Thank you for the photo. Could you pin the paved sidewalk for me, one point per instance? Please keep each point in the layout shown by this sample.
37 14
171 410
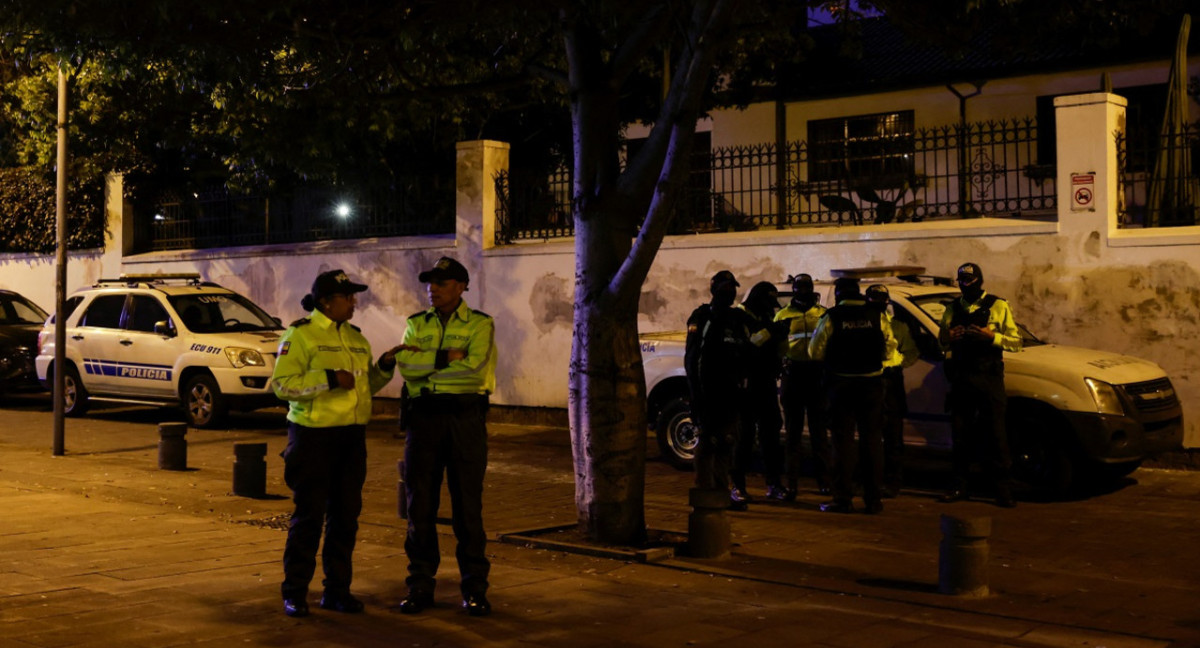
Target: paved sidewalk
100 548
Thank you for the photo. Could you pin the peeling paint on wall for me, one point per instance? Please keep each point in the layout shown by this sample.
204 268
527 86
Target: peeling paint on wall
551 303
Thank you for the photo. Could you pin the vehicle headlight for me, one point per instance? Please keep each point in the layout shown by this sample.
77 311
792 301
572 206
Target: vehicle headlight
1106 397
240 357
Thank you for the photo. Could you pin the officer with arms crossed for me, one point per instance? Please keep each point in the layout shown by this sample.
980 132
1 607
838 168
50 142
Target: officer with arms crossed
324 371
976 330
803 387
854 340
448 361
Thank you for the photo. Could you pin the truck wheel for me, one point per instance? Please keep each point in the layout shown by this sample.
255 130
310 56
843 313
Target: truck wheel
1040 457
75 395
203 404
677 434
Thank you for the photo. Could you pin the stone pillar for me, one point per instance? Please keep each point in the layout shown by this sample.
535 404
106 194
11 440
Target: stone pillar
1088 180
250 469
172 446
475 202
478 162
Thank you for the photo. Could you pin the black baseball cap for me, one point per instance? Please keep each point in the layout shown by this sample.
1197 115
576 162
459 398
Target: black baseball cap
846 287
968 274
723 277
335 282
445 268
877 293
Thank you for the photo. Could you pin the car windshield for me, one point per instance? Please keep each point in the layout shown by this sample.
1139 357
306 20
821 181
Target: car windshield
215 313
935 306
15 309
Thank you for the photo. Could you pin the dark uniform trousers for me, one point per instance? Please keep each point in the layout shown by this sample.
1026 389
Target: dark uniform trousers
977 424
804 395
325 468
856 402
895 406
760 419
447 434
715 447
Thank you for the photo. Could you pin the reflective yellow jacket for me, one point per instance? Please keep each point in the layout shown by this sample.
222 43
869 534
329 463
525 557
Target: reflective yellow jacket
801 326
309 352
469 331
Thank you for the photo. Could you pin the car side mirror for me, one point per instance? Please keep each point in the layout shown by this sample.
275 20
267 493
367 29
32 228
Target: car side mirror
164 328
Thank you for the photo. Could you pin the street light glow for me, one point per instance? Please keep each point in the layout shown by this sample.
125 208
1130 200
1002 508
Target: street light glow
342 210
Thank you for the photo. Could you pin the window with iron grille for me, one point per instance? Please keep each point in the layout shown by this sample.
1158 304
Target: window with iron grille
863 149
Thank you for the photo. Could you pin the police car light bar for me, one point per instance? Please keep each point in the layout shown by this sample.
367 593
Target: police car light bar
878 271
149 278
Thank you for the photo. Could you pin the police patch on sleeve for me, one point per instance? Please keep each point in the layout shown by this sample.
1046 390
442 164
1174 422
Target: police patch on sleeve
283 348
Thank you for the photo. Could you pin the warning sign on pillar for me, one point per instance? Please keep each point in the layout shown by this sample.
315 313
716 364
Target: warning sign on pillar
1083 192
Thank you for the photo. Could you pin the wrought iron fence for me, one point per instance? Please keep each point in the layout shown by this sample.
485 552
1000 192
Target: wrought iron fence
1160 186
987 168
218 218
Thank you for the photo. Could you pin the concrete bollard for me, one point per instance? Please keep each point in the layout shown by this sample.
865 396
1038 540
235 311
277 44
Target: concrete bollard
401 492
708 528
963 556
250 469
172 447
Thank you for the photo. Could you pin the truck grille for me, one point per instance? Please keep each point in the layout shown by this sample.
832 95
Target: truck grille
1152 395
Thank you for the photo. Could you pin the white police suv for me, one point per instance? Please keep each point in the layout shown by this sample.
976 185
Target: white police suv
164 339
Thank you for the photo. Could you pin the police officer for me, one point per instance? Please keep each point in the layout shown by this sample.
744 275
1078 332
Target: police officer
716 359
854 340
803 387
325 372
895 400
448 361
976 330
761 418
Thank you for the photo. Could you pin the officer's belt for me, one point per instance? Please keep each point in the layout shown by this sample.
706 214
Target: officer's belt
427 398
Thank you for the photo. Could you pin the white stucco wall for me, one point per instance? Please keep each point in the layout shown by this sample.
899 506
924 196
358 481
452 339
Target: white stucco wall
1075 281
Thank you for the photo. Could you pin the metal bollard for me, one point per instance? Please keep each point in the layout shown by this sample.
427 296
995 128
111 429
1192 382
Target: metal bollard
708 528
401 492
963 556
250 469
172 447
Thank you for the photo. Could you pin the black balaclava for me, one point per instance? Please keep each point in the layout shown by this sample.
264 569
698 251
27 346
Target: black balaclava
970 281
724 289
763 300
803 295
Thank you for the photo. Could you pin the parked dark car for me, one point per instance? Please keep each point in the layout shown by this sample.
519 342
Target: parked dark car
20 321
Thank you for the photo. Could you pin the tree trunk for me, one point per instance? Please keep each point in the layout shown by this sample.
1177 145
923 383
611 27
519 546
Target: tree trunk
608 429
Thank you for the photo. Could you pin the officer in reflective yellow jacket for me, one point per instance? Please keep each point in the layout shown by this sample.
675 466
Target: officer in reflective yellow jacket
325 371
803 391
448 361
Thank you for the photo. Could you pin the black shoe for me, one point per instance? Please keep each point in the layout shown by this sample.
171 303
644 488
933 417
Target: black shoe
1004 499
778 493
889 492
416 602
874 507
295 607
737 494
837 507
735 505
341 602
953 495
477 605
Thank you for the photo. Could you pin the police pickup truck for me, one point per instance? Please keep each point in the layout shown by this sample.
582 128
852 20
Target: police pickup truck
1073 413
164 339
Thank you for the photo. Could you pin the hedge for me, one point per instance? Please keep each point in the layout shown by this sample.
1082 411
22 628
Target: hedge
27 211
